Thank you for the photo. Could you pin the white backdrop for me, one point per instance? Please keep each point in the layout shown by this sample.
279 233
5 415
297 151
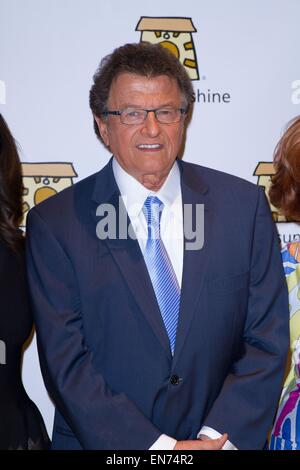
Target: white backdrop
49 50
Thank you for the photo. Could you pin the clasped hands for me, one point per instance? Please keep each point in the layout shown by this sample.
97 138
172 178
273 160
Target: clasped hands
202 444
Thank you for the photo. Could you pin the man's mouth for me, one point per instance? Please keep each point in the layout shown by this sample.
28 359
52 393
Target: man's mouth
151 147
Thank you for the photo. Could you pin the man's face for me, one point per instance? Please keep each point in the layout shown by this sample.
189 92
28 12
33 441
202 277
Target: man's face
130 143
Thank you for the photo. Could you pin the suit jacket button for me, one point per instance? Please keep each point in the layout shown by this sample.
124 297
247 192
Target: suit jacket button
175 380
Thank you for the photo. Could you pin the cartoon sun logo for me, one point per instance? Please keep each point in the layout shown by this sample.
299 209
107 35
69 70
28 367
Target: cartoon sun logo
43 180
176 35
264 171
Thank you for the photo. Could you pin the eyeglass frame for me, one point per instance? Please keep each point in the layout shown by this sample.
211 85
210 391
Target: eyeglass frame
118 112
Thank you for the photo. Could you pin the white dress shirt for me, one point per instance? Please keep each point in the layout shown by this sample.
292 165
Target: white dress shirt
134 195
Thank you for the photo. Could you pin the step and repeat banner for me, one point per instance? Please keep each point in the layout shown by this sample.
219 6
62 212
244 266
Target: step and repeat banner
243 58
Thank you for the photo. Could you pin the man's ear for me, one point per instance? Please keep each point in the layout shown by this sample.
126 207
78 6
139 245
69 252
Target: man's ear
102 126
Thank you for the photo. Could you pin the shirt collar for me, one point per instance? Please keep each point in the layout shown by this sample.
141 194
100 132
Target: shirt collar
134 193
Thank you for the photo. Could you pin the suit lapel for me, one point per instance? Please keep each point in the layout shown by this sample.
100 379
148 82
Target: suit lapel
194 261
129 259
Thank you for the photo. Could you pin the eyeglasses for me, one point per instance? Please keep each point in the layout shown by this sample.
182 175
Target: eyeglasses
138 116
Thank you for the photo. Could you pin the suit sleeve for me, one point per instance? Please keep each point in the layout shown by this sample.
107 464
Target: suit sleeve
99 418
248 399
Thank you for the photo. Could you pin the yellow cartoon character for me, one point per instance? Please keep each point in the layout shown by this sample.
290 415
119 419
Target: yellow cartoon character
176 35
43 180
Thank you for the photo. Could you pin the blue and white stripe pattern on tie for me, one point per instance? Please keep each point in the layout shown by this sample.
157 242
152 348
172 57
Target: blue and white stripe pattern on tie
162 275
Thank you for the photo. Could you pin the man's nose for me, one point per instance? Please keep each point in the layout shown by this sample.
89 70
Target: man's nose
151 125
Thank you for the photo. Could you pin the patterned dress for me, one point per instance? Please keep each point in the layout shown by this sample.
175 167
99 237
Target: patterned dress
286 431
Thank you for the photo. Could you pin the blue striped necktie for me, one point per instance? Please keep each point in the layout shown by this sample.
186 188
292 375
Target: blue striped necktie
162 275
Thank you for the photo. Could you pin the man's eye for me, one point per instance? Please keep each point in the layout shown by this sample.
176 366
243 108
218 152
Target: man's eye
134 113
165 112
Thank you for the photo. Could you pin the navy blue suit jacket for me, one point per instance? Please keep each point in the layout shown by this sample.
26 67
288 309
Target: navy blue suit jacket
103 347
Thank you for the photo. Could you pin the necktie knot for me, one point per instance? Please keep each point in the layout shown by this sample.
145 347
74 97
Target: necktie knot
152 210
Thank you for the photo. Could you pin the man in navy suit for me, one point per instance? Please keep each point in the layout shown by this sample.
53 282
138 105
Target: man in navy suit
159 326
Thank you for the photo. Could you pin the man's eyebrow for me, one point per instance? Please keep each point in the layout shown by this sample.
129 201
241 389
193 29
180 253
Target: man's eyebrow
168 104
